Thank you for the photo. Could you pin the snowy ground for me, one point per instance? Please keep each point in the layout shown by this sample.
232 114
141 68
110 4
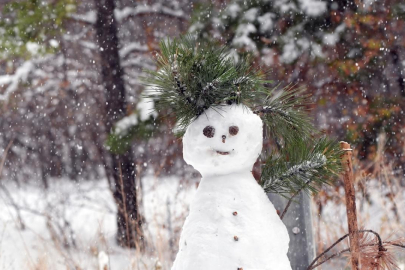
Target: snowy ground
83 216
70 225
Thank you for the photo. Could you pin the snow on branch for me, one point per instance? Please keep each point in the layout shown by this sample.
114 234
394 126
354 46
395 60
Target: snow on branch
306 169
12 81
90 17
131 47
122 14
144 110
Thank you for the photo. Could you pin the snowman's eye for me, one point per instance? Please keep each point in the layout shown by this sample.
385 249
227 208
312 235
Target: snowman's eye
209 131
233 130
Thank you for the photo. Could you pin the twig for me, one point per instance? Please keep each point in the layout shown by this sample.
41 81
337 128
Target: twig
330 257
291 199
180 89
3 159
380 247
348 249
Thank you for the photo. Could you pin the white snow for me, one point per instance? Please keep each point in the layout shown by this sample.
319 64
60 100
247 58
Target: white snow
308 166
233 10
242 38
313 8
290 52
285 5
266 22
32 47
144 110
88 17
54 43
230 215
268 56
251 14
133 46
122 126
20 76
122 14
103 260
331 39
90 210
90 213
295 47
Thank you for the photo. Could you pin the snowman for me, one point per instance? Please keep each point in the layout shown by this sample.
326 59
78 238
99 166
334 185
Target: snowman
231 224
219 103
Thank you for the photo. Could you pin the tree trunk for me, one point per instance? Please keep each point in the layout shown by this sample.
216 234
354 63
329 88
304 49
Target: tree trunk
122 166
398 70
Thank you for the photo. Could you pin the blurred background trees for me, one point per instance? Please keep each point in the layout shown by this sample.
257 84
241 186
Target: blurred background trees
67 77
349 54
55 76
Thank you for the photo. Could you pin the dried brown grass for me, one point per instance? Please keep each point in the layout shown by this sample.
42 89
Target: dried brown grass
371 178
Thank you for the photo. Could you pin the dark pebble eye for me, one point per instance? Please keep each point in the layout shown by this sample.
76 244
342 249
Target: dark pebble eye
209 131
233 130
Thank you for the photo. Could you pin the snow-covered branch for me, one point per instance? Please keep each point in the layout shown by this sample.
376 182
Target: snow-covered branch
158 8
306 168
132 47
12 81
90 17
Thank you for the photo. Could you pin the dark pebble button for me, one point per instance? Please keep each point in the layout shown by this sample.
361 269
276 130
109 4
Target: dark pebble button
235 238
235 213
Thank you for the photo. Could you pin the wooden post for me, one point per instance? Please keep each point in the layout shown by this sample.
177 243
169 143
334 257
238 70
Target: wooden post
298 221
350 204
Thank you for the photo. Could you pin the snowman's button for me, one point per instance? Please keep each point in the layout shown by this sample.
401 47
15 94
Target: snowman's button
235 213
236 238
240 268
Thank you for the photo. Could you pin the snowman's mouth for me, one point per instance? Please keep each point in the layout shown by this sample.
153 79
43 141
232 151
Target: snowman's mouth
223 153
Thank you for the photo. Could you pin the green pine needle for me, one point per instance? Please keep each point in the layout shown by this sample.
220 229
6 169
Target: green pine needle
285 114
303 165
193 77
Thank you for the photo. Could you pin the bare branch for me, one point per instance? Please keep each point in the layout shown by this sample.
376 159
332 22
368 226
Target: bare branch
380 247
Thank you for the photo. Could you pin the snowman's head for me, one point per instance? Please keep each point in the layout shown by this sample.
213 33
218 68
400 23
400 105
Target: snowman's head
223 140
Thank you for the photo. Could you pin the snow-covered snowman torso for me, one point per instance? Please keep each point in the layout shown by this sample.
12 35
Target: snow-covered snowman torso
232 224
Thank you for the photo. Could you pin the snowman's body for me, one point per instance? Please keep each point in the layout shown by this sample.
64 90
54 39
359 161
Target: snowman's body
232 224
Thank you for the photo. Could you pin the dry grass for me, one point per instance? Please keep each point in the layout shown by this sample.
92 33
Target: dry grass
379 196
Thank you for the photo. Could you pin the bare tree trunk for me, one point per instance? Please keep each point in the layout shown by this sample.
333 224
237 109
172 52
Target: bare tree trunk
122 166
398 70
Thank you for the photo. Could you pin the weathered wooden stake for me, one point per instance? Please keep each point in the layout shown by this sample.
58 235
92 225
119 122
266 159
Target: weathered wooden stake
351 205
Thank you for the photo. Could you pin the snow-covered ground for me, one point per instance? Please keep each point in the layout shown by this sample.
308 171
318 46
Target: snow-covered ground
70 225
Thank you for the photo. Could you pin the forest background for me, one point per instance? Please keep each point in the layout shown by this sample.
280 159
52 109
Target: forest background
72 112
